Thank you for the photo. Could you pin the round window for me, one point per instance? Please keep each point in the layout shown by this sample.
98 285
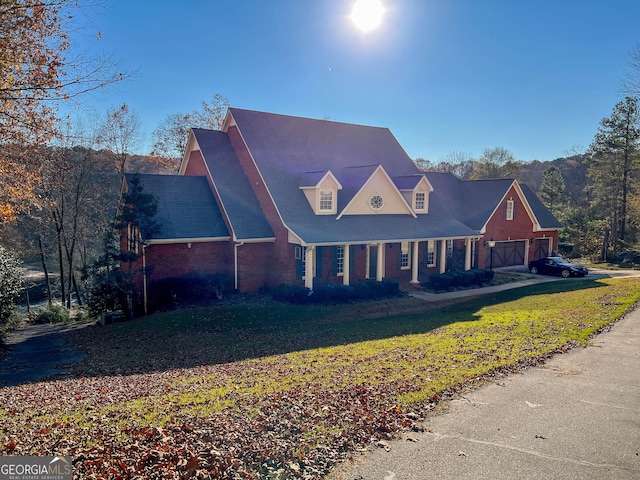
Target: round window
376 202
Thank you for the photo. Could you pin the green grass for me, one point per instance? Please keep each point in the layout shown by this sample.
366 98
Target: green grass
305 377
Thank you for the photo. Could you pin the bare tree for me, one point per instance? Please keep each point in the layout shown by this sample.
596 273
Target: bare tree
120 133
496 162
39 69
630 83
170 138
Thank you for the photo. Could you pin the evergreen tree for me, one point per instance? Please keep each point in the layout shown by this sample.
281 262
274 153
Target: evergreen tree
552 190
137 215
613 161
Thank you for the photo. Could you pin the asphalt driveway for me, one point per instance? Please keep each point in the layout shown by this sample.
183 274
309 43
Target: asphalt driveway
576 417
37 352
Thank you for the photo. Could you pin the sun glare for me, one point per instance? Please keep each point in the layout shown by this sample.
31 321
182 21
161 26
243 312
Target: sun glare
367 14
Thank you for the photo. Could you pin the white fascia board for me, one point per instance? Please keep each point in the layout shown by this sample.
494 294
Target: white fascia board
169 241
331 177
255 240
387 241
192 145
394 189
527 207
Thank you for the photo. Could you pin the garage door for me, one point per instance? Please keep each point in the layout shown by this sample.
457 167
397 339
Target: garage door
540 248
507 254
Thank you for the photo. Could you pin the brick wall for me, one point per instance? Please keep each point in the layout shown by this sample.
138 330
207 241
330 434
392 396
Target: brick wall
283 265
175 260
520 228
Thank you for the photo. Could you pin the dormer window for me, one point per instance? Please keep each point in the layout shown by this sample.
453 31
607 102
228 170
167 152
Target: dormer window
420 202
321 190
326 201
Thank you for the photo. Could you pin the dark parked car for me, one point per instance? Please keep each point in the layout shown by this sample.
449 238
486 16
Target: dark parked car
557 266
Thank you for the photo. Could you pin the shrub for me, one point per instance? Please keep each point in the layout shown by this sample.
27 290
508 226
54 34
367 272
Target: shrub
440 281
190 288
11 284
336 293
291 294
468 278
54 313
478 275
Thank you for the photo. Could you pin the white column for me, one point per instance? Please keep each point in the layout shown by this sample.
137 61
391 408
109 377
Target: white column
467 254
345 266
380 262
308 273
443 256
414 262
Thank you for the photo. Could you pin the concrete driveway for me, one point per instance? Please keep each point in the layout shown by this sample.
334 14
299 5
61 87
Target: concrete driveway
576 417
594 274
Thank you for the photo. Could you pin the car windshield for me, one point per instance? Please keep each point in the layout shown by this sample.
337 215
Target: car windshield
559 260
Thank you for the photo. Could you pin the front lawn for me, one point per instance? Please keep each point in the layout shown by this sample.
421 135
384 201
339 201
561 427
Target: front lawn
265 390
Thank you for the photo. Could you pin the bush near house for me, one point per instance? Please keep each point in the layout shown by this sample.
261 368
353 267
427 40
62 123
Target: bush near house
333 293
455 279
190 289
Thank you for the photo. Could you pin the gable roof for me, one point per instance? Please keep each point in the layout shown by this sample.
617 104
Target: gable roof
234 190
474 201
284 148
546 220
187 209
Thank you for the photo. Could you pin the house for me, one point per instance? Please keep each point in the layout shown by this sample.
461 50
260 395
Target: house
274 199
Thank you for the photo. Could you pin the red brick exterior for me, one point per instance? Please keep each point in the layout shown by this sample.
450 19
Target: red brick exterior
520 228
271 263
282 268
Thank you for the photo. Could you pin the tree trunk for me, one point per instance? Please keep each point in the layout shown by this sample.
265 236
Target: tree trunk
46 271
605 245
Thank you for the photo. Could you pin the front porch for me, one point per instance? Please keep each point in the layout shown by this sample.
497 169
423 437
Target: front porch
411 261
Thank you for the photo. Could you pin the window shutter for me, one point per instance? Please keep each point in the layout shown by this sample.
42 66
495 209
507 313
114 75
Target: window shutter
318 252
352 259
334 262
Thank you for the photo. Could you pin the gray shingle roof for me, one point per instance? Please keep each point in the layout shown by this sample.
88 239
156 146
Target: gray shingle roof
285 147
238 199
186 207
473 201
542 213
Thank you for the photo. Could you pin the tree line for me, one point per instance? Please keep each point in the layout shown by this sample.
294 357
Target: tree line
593 194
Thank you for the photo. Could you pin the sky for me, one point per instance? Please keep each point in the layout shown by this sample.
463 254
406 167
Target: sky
443 75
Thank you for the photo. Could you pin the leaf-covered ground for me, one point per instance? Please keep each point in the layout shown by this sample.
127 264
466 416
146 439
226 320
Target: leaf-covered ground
270 391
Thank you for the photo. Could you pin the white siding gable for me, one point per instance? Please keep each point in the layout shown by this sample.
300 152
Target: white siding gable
378 196
323 196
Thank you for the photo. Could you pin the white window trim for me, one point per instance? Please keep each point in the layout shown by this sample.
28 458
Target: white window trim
406 253
424 201
510 210
340 260
332 195
431 249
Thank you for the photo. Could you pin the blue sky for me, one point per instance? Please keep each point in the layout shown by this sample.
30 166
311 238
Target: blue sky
446 75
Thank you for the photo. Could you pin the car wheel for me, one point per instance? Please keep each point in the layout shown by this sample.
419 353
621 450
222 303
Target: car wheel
566 273
534 270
